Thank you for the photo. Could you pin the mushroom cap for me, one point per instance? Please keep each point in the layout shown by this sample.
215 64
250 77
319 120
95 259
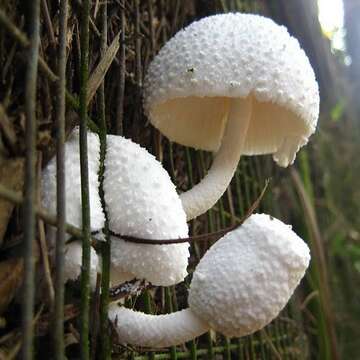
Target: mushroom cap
247 277
189 84
142 202
73 182
73 261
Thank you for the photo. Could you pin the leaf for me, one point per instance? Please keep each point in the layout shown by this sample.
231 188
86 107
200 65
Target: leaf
11 274
337 111
11 176
100 71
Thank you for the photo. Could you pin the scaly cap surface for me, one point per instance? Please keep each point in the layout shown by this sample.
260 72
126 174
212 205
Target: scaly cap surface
189 84
142 202
73 261
73 182
248 276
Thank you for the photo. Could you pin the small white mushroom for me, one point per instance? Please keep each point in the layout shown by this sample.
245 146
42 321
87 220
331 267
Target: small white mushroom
142 202
73 197
73 182
233 84
73 261
239 286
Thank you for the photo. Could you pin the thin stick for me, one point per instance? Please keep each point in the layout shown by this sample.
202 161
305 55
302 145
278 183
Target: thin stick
105 348
84 171
95 317
42 238
17 199
48 22
138 70
30 180
197 238
121 87
58 338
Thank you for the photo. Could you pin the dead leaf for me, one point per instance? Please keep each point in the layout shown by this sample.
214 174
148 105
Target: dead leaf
11 274
11 176
100 71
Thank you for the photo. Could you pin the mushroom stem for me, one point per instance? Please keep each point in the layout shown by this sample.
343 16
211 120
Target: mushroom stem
137 328
204 195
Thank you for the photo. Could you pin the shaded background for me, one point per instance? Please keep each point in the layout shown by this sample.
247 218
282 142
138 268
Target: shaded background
319 195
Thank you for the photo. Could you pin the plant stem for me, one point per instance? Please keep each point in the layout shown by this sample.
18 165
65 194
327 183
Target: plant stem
105 346
30 182
84 171
58 339
121 87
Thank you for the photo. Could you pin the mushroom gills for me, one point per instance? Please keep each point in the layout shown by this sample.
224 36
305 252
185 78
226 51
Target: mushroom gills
204 195
286 153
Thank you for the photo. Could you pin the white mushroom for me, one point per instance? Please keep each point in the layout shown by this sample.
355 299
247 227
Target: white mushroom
233 84
239 286
73 197
142 202
73 261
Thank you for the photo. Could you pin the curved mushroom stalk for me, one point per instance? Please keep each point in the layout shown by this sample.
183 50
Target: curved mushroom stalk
158 331
239 286
204 195
244 59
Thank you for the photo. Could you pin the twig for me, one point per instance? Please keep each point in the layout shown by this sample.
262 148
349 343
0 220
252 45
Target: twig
138 71
271 344
151 27
105 348
17 199
42 239
84 171
95 315
48 22
176 14
91 22
121 88
58 338
30 180
197 238
231 204
13 30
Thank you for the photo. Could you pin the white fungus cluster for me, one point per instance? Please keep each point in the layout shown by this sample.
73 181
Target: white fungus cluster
190 81
217 71
247 277
142 202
